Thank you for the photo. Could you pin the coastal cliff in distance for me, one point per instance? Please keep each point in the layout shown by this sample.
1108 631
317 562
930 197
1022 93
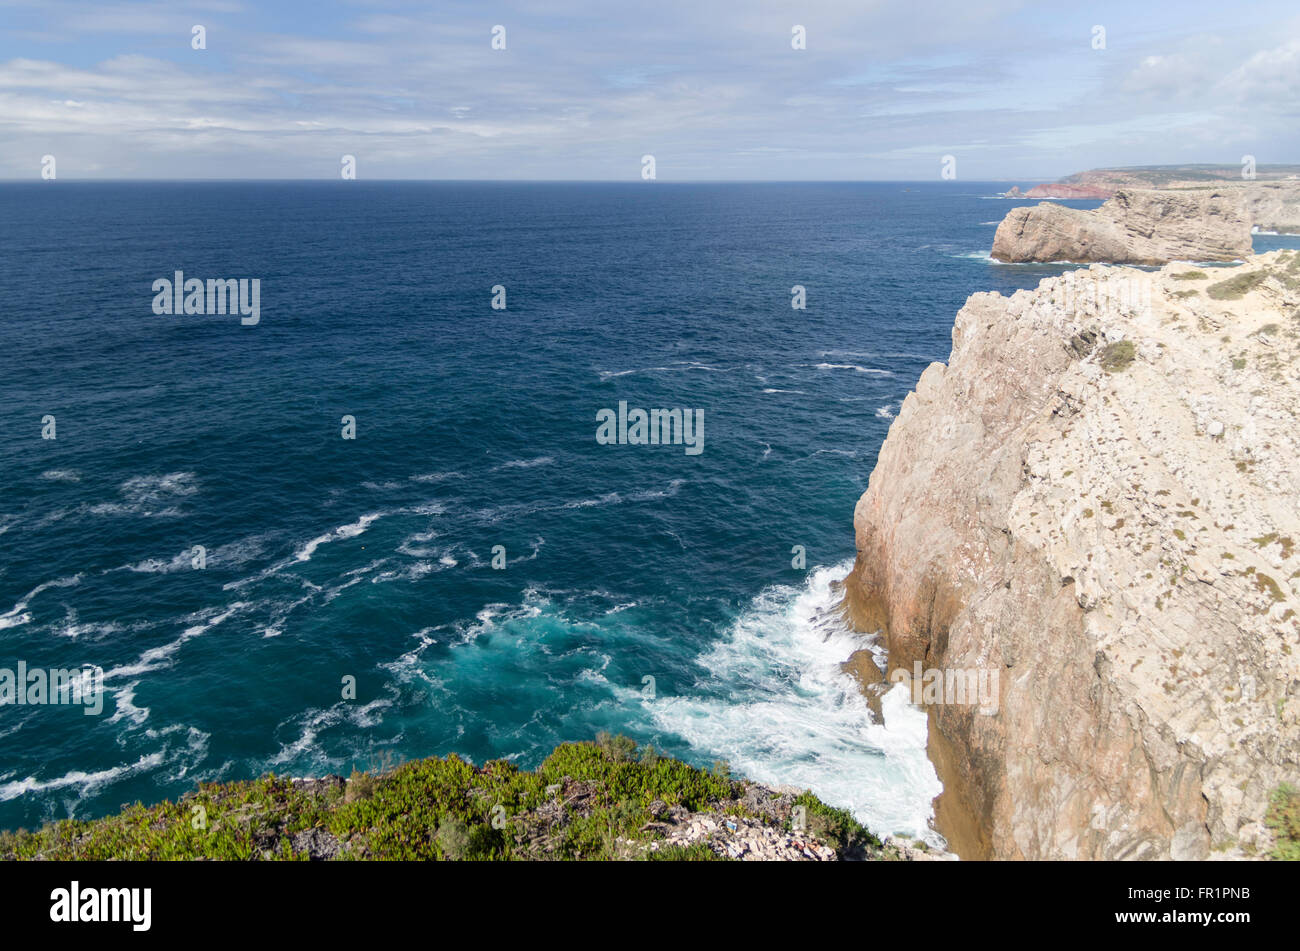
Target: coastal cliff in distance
1097 498
1150 226
1273 206
1059 191
1135 227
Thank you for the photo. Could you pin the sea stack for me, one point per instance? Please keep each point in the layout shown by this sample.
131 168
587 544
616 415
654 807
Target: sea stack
1137 226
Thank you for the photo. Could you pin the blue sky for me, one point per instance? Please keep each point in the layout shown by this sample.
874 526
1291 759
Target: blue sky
1015 91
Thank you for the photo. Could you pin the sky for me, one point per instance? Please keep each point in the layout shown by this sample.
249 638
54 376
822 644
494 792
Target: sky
713 90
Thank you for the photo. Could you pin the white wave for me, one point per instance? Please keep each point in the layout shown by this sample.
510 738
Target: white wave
61 475
425 508
149 488
409 667
852 366
413 571
672 368
157 657
987 257
19 613
354 576
305 551
124 705
495 616
527 463
414 545
382 486
11 620
536 548
609 498
886 411
141 493
351 530
160 566
73 629
85 782
312 722
778 707
617 498
281 611
436 477
850 453
497 513
647 494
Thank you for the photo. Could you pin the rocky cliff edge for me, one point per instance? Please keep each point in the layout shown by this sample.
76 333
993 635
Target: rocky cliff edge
1098 498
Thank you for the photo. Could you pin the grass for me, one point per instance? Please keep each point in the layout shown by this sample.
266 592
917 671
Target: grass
583 802
1117 357
1190 276
1283 818
1285 542
1235 288
1266 585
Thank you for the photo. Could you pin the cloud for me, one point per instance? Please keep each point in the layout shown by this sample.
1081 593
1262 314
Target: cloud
583 90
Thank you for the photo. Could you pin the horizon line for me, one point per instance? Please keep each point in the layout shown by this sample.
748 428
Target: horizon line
545 181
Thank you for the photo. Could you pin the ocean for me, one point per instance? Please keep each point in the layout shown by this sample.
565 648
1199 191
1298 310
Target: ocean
472 571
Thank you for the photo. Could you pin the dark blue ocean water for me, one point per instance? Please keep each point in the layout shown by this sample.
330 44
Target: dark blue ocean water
475 427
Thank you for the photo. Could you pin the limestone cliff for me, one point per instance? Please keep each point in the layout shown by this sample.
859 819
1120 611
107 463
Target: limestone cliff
1135 227
1058 191
1274 206
1098 498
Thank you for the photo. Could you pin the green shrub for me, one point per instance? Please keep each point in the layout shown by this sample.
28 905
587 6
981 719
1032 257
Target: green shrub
360 786
459 841
838 827
616 747
695 852
436 808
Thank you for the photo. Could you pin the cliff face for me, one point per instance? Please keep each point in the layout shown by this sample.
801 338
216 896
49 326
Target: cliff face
1274 206
1097 498
1134 227
1060 191
1069 191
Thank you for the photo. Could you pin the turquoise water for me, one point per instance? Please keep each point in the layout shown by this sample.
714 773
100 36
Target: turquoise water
371 558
